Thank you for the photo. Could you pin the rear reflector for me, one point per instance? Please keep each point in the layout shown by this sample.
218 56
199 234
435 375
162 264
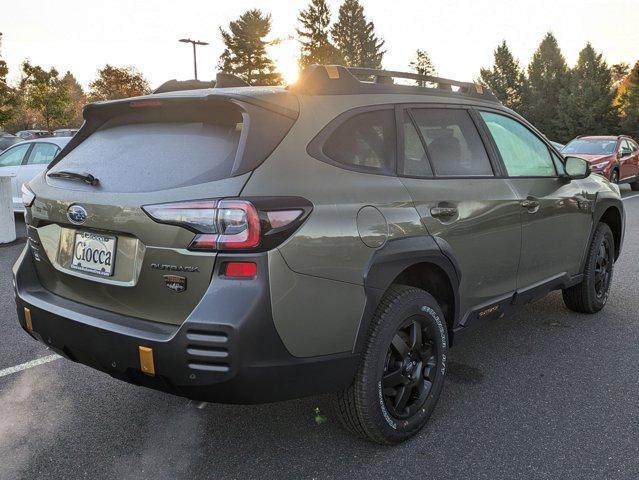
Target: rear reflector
240 269
146 360
27 319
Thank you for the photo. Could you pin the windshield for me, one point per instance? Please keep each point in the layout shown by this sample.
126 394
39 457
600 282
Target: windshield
591 146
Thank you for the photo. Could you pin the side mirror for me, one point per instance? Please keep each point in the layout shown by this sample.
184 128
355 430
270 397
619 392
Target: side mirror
577 168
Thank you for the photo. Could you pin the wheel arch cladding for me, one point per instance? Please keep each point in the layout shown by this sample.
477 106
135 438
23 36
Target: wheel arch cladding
611 214
423 262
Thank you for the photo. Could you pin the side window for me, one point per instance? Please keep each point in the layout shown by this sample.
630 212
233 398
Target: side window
13 156
453 144
523 153
416 162
42 153
365 142
626 149
633 145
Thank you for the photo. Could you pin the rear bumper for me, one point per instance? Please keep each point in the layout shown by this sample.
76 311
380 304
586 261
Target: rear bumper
226 351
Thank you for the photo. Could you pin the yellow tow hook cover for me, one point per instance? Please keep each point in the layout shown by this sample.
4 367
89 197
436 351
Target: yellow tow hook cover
146 360
27 319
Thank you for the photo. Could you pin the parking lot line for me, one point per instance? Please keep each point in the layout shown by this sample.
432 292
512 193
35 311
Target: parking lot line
27 365
631 196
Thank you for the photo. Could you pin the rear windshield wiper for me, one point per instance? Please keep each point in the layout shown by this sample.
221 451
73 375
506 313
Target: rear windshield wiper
83 177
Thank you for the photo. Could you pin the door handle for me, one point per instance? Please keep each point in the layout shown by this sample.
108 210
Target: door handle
530 204
443 212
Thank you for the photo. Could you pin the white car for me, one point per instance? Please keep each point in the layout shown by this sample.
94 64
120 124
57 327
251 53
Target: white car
25 160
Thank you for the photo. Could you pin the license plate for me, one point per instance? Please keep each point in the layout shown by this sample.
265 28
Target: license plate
94 253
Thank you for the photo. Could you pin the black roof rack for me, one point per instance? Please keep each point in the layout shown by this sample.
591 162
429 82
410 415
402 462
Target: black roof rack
339 80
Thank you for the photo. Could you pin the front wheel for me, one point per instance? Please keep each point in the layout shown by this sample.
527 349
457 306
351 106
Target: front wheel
591 294
401 373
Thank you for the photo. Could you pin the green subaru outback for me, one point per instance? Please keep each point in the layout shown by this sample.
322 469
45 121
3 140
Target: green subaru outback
253 244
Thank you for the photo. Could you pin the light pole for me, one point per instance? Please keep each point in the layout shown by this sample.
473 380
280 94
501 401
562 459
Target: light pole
194 43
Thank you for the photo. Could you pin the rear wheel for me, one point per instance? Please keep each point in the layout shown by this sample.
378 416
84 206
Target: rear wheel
402 369
635 185
591 294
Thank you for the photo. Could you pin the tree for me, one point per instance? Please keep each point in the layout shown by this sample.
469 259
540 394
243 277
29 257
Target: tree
45 93
316 47
117 82
355 37
586 105
423 66
8 95
547 76
77 99
506 79
630 104
619 71
245 53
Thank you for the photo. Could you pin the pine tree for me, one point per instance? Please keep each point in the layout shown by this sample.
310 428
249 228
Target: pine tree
8 95
423 66
506 79
630 104
77 99
355 37
547 76
586 105
245 53
316 47
619 71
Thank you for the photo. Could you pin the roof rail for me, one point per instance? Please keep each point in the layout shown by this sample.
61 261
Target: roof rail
339 80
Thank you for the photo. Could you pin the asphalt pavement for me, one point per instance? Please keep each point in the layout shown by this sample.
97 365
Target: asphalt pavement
545 393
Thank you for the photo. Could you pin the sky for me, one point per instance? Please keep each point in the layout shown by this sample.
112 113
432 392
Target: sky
459 35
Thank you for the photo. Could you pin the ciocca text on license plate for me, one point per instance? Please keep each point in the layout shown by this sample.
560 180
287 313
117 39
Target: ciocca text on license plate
94 253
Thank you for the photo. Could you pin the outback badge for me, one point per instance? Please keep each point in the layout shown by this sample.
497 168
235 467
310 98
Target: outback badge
175 283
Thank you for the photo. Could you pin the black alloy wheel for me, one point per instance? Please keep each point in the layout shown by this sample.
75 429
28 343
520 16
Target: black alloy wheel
410 369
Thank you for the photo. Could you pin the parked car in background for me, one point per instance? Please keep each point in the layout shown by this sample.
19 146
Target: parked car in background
65 132
6 140
33 134
616 157
25 160
557 145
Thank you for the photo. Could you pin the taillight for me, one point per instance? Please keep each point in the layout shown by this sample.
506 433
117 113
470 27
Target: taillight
234 224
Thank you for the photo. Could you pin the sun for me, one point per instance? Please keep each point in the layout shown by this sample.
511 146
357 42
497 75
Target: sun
284 53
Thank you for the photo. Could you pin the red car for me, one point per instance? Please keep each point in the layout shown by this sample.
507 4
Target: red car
614 156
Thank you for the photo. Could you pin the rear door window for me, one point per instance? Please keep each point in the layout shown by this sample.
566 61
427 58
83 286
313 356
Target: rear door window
453 144
416 163
42 153
364 142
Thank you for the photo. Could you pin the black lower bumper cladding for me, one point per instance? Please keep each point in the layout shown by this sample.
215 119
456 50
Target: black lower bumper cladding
226 351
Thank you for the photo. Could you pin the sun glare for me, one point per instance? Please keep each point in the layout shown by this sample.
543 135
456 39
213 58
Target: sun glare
284 54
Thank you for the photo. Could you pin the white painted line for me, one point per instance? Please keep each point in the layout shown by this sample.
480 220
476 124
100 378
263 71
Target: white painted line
631 196
31 364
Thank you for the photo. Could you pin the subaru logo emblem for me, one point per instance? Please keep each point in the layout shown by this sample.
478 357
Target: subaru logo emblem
77 214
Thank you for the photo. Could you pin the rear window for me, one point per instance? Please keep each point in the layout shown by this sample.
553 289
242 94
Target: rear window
175 145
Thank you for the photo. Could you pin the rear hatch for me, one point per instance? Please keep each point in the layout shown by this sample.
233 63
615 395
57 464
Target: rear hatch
92 240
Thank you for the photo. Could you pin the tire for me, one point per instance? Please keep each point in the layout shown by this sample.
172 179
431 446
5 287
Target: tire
392 414
635 186
614 176
591 294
